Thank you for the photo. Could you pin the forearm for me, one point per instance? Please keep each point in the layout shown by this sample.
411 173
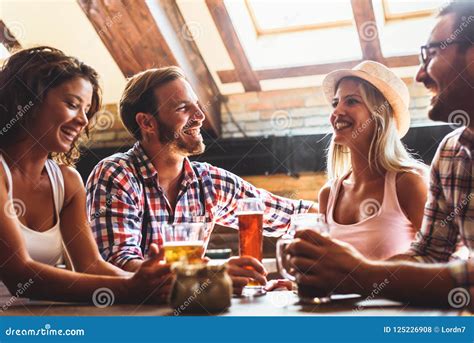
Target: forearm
102 267
416 283
132 265
402 257
49 283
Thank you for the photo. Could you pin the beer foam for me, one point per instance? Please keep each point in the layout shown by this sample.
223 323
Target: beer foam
183 244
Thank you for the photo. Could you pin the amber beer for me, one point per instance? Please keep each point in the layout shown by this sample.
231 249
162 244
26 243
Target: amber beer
250 216
183 242
190 252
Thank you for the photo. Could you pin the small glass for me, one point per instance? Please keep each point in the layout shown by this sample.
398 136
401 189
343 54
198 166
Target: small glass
250 215
312 221
184 242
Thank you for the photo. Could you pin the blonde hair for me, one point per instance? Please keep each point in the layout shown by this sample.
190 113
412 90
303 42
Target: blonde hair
387 152
139 95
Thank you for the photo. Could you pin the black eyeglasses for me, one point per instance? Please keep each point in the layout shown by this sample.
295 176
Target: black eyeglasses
426 53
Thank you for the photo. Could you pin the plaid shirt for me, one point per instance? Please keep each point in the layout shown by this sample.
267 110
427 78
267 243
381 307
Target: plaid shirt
449 212
127 205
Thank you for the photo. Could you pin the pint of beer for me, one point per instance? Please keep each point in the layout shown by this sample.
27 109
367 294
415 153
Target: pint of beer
183 242
250 214
190 252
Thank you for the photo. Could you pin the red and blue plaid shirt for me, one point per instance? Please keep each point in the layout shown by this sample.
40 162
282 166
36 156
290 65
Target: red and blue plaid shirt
126 204
449 211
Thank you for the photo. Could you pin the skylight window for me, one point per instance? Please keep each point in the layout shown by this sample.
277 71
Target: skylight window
396 9
299 15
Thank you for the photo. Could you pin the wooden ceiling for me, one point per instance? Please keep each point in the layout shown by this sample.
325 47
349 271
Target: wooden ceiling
137 42
146 34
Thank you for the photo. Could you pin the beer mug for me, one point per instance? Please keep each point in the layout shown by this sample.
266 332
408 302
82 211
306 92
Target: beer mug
250 215
313 221
183 242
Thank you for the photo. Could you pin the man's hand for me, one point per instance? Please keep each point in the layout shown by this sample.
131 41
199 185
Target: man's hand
152 281
243 269
325 264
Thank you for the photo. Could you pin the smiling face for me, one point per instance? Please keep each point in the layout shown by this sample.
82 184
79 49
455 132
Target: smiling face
180 117
449 74
62 115
351 120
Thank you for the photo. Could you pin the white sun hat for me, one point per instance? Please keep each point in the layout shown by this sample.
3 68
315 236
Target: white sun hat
390 85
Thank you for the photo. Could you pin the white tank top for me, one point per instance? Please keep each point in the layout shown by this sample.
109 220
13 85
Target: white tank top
47 246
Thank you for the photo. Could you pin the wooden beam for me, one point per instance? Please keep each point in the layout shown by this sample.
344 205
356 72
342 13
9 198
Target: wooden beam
233 45
137 41
181 41
367 30
116 41
7 38
229 76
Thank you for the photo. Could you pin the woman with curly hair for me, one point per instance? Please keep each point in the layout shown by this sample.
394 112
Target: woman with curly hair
46 102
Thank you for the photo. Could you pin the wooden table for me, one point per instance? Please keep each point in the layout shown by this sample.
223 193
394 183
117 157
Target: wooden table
277 303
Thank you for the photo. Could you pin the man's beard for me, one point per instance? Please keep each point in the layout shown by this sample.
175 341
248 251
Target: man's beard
454 104
175 141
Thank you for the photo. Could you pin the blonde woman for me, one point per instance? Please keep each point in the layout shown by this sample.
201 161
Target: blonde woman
376 191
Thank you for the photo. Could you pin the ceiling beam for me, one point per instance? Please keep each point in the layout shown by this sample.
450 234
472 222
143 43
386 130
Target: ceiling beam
233 45
137 41
7 38
230 76
364 17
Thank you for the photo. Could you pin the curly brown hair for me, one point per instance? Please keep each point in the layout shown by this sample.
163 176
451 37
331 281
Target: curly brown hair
25 78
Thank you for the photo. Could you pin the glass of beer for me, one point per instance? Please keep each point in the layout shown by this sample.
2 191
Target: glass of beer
312 221
183 242
250 214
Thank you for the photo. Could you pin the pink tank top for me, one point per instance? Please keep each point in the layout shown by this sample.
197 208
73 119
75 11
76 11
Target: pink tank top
386 231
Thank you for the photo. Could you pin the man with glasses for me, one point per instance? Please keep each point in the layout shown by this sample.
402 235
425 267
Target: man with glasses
447 70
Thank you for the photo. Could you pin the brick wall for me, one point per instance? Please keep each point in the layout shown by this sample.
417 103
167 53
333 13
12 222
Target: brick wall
282 112
108 130
296 112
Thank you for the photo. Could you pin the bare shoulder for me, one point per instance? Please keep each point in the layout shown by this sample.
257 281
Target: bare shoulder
412 189
73 183
323 197
408 182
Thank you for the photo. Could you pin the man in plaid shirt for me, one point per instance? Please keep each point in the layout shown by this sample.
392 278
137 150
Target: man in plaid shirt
448 71
129 195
